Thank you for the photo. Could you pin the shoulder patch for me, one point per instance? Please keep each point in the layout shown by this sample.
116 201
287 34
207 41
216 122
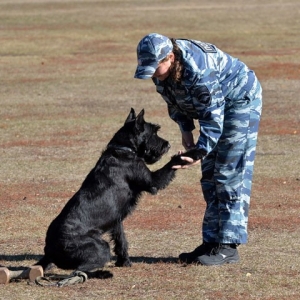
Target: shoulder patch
208 48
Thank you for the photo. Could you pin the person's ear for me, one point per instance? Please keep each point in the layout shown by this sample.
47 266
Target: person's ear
172 57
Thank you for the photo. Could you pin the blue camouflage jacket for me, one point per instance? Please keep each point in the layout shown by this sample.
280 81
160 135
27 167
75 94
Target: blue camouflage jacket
210 78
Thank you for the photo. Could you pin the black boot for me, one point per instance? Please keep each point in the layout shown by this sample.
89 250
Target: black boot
219 255
190 257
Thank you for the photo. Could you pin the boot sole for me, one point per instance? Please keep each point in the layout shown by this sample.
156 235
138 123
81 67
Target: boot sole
225 261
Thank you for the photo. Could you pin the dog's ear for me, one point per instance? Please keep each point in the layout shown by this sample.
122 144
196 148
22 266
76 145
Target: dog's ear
139 123
131 116
141 114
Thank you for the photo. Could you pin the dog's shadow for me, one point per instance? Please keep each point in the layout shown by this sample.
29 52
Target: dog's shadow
152 260
134 259
17 258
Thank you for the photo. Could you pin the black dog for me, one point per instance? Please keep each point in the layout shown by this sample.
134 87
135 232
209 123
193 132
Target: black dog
108 194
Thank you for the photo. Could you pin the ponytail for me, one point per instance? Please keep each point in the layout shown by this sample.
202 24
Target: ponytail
177 68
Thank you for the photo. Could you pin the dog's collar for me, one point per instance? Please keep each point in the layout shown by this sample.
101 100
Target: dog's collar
117 147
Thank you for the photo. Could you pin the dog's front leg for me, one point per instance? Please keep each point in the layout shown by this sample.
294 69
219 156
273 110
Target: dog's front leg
121 246
161 178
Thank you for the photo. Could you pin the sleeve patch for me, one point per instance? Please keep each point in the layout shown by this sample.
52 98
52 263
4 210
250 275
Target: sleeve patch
203 95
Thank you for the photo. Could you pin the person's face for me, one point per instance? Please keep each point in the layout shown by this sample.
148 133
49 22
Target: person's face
163 70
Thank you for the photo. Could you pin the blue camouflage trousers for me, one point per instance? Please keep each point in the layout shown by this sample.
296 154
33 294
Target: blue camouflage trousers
227 170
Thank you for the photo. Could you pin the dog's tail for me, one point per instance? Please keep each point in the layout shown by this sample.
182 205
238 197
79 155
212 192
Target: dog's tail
100 274
45 262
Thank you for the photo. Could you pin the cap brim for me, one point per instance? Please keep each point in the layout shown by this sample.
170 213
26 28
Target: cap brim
143 72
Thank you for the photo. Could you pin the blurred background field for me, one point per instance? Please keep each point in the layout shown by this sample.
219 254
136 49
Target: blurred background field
67 85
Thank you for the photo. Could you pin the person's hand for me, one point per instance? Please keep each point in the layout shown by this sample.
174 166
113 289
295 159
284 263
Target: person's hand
187 140
190 161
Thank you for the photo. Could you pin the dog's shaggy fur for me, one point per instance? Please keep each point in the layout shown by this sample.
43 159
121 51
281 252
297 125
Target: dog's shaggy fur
108 194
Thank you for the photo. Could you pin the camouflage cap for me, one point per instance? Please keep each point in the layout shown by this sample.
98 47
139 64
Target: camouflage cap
150 51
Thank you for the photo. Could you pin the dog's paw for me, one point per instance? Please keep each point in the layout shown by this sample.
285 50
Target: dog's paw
123 263
194 154
177 161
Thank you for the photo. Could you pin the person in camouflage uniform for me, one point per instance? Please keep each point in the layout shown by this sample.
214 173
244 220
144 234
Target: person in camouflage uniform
200 82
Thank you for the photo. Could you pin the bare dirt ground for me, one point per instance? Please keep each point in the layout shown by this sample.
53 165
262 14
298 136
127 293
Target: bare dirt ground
67 85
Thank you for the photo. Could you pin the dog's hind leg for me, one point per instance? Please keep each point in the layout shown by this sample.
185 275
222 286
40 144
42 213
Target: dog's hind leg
121 246
93 253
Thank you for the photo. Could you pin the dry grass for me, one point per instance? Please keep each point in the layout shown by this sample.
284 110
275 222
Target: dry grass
67 85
